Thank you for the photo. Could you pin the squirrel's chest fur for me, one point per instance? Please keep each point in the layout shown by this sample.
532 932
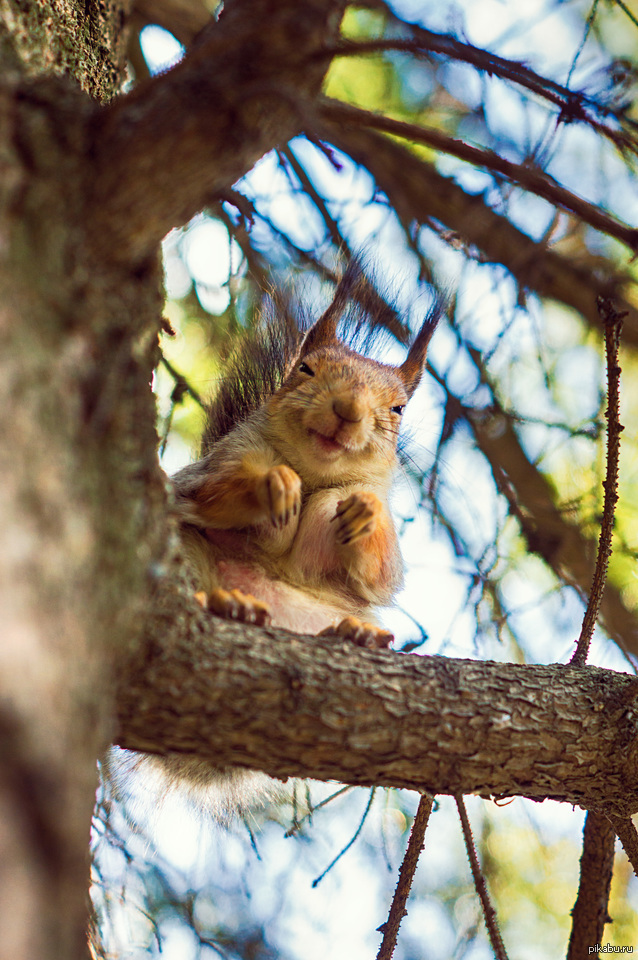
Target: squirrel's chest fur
298 571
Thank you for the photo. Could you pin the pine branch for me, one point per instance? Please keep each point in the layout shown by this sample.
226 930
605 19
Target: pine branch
573 105
419 194
531 500
188 149
235 694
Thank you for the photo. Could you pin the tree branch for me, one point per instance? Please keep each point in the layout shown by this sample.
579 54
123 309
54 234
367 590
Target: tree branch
531 498
573 105
406 875
613 326
418 192
299 706
183 18
529 178
164 151
590 915
489 913
628 836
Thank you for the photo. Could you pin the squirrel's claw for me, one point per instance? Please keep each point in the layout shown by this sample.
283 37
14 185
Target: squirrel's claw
280 494
356 517
363 634
235 605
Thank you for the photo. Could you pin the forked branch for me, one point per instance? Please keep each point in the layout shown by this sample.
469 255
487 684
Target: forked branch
573 105
529 178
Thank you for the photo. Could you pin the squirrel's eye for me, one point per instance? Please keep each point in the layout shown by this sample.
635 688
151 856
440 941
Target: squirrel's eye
398 409
304 368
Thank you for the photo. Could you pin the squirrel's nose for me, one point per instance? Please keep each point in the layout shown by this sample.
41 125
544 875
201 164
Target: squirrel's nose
351 409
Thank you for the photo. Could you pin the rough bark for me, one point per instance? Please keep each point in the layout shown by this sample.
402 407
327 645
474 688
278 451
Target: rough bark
82 500
295 706
77 441
83 40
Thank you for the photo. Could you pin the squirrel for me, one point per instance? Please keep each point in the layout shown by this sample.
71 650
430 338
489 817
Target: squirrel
285 519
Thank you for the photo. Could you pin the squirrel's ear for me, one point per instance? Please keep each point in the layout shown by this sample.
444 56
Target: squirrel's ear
324 331
411 369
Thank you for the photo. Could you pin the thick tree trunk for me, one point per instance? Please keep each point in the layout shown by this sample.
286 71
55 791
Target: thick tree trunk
80 489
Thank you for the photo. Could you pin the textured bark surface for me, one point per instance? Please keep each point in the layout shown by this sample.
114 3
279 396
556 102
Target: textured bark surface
83 39
296 706
82 503
77 438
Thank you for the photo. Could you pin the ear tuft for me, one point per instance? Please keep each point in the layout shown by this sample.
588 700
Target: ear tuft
324 331
412 368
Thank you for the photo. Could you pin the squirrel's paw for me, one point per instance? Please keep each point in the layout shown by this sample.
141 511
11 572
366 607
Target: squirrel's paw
235 605
363 634
356 517
279 493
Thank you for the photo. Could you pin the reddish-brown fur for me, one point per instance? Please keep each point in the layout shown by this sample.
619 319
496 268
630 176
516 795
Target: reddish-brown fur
291 506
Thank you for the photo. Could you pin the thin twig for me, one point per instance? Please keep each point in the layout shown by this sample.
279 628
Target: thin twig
320 203
588 26
318 879
574 105
489 912
181 383
307 816
525 176
612 321
590 915
625 9
181 387
406 875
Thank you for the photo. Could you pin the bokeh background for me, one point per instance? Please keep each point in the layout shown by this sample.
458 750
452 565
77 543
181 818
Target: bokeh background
502 462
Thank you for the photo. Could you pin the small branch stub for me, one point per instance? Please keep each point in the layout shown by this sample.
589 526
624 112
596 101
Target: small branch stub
612 322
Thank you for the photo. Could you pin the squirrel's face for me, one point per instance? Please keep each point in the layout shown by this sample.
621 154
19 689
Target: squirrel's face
338 415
